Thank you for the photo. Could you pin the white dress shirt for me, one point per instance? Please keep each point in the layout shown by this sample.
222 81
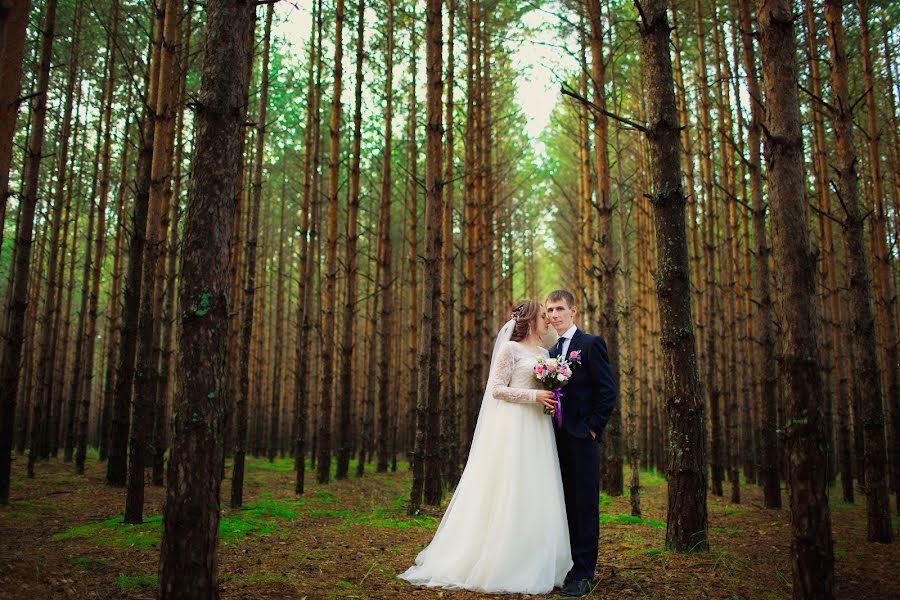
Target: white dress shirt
568 335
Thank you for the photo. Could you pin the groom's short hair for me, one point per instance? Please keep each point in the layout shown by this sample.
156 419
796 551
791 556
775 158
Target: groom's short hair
565 296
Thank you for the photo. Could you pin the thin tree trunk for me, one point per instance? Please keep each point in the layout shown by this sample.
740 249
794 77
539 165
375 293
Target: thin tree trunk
21 272
348 346
765 337
12 53
426 466
385 254
811 543
860 292
323 474
250 300
303 378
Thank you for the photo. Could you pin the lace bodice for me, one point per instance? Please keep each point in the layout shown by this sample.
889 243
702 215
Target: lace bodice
513 377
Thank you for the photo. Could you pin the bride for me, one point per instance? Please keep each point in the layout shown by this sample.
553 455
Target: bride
505 528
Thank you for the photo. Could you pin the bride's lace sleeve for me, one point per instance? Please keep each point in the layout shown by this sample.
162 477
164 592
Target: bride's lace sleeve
502 375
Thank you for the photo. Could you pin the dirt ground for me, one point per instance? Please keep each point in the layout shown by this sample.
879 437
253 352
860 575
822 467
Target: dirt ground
61 538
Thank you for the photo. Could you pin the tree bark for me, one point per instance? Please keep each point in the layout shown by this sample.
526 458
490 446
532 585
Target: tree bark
323 474
21 272
765 333
348 345
860 292
426 465
188 563
811 543
385 254
687 524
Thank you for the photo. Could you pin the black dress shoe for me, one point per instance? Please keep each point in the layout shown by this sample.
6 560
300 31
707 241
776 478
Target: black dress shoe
577 587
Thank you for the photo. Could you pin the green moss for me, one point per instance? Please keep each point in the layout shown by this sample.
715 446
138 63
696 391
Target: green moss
653 552
628 519
727 530
257 518
125 582
116 534
733 511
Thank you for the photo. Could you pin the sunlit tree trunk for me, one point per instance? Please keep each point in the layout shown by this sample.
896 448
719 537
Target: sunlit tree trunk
385 254
329 296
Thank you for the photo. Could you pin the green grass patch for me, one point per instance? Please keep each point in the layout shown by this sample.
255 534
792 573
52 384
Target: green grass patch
130 582
841 553
280 465
607 501
733 511
727 530
257 518
859 554
116 534
653 552
628 519
841 507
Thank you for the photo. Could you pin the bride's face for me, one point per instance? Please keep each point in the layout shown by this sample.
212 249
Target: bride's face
540 325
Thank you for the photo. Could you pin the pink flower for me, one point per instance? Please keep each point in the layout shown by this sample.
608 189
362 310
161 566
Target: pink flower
575 356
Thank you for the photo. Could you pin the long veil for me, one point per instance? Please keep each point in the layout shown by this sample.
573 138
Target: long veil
488 402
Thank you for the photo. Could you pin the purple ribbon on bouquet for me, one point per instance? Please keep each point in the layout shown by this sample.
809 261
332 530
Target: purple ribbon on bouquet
557 396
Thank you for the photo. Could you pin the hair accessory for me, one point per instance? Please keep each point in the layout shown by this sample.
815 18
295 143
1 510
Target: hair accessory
518 312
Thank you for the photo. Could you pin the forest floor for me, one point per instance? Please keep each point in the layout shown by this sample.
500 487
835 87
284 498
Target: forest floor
62 537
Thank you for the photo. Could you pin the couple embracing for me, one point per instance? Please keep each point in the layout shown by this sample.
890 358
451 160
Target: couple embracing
525 514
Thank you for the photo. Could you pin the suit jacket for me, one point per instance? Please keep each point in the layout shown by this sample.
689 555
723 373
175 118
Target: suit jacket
589 398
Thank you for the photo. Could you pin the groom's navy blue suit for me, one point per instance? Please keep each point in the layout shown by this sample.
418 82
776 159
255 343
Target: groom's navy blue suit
587 404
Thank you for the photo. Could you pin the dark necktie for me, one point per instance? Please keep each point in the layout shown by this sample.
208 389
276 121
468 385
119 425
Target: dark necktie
559 346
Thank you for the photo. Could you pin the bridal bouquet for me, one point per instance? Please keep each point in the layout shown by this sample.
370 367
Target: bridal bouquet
553 374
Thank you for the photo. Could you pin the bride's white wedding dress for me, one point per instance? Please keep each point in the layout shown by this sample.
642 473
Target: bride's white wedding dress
505 529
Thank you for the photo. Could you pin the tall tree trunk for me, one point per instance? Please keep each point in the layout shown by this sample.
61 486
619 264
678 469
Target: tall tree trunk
188 564
146 372
613 447
249 308
765 334
21 272
119 447
385 253
45 380
687 514
427 454
12 53
348 345
886 297
304 378
811 543
860 292
99 247
450 398
323 474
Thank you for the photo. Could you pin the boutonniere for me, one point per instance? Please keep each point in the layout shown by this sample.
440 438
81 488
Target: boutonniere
575 357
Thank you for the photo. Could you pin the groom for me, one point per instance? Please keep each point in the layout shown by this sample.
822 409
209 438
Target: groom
587 404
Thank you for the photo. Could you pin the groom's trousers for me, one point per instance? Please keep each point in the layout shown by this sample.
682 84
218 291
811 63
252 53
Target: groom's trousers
579 465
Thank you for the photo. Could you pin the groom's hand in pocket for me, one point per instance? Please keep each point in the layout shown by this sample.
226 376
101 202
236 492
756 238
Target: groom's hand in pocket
545 398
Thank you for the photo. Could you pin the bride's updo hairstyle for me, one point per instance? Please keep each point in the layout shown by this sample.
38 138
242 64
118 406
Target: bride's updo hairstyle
525 314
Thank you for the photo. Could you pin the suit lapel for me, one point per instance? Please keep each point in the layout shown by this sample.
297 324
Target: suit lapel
576 338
